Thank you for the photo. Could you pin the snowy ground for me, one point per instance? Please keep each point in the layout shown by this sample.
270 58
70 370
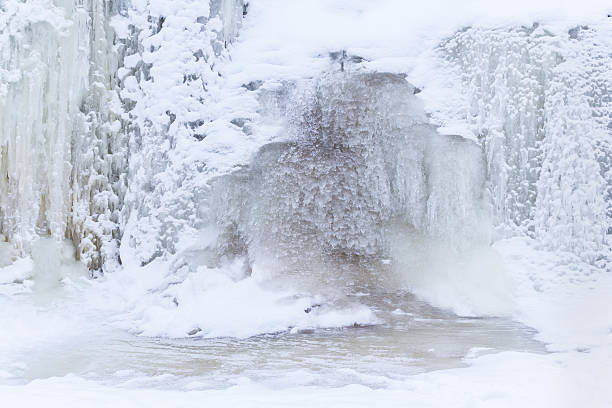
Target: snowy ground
569 308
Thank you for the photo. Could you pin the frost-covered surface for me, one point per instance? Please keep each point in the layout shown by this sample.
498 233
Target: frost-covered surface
301 157
170 82
199 91
539 103
61 156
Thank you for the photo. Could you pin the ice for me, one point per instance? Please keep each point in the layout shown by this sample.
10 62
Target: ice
535 102
358 160
62 157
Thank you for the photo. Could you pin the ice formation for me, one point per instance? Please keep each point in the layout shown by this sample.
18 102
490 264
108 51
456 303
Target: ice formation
358 164
61 158
171 54
125 129
304 201
540 106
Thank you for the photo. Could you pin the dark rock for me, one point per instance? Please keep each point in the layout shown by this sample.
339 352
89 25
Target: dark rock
240 122
309 309
306 331
194 331
195 124
253 85
199 54
172 116
342 57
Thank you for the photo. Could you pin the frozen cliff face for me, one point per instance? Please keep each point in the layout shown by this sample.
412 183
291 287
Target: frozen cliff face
37 101
60 143
169 86
82 84
540 106
516 90
130 125
359 164
574 202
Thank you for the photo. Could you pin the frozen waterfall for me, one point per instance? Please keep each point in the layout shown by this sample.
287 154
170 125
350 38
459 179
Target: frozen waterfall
62 157
305 203
357 164
126 129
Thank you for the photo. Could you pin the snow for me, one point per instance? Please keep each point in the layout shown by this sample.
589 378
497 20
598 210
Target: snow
221 302
550 296
17 271
563 298
500 380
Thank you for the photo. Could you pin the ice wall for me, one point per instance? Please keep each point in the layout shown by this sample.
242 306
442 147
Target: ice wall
60 154
42 85
119 121
87 85
169 86
540 106
359 167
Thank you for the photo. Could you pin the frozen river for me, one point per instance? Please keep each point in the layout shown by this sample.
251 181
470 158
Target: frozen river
52 332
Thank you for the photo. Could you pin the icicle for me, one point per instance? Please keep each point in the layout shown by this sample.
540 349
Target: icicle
537 102
60 151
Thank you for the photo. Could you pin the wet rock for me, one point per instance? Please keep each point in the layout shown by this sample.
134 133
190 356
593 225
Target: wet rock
240 122
306 331
253 85
194 331
309 309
